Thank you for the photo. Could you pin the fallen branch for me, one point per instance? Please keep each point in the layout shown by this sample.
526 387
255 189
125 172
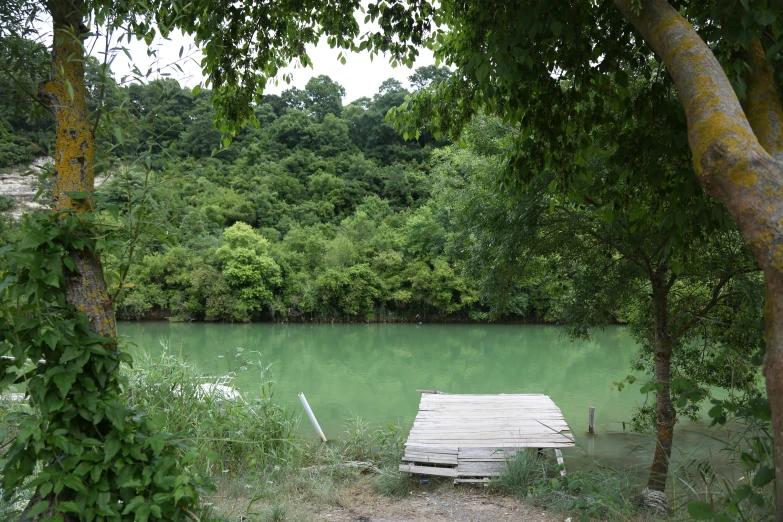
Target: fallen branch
364 467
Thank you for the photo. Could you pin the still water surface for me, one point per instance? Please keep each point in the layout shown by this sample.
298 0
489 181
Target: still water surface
373 371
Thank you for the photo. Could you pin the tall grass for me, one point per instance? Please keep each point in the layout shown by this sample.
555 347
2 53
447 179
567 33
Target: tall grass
523 471
592 491
231 435
742 495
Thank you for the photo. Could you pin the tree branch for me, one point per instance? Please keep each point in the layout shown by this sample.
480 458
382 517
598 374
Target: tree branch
762 105
720 136
716 296
731 163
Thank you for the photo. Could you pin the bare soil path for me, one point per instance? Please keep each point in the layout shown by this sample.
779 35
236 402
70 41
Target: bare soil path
445 504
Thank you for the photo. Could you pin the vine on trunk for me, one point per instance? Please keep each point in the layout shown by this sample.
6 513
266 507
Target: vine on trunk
87 456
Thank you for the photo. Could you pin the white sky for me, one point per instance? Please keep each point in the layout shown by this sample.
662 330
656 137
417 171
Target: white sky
360 76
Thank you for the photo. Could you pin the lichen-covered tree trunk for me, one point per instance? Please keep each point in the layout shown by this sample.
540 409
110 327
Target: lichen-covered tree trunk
665 408
74 160
74 157
738 158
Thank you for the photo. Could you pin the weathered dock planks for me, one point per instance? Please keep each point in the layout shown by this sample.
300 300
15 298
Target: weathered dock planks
469 437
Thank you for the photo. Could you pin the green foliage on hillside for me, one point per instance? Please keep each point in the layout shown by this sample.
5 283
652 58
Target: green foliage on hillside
322 211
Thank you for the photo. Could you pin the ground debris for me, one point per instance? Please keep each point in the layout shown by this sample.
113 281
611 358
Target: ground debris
445 504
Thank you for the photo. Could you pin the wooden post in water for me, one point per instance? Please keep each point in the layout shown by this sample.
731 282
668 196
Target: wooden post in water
560 462
591 446
591 425
312 417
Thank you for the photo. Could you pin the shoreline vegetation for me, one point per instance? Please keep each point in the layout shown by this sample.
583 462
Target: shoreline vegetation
374 319
264 470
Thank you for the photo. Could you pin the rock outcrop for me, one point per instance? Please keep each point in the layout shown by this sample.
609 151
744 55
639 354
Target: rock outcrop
21 182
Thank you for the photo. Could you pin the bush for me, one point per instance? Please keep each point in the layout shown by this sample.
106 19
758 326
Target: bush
7 202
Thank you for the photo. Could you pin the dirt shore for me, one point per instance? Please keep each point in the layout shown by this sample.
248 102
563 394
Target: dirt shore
444 504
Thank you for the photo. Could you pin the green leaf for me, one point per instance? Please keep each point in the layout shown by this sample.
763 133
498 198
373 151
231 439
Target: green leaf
115 412
157 442
742 492
118 134
764 476
7 281
700 510
765 17
747 461
37 509
71 352
78 194
111 447
64 381
67 507
133 504
45 489
69 88
75 483
143 513
773 51
52 279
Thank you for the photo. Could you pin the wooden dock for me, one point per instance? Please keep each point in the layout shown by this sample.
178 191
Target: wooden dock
469 437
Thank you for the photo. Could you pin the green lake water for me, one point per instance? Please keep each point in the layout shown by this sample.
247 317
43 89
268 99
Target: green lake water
373 371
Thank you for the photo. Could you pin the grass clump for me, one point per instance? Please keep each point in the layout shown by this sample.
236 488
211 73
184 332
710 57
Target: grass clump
522 472
383 448
592 491
232 434
391 482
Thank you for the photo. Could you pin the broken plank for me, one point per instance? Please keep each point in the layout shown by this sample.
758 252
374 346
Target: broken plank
428 470
474 469
433 458
484 481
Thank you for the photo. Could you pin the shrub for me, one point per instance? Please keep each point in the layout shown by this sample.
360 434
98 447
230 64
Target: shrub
7 202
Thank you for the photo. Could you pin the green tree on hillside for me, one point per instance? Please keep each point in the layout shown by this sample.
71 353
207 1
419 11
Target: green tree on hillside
248 269
323 96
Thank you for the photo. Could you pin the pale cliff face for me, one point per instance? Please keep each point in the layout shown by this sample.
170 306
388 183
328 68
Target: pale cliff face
21 182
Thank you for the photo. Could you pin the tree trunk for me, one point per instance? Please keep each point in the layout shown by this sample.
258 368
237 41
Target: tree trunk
74 162
74 157
663 352
738 158
773 375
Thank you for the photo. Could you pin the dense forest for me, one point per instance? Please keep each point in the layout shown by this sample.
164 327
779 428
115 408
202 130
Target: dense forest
321 212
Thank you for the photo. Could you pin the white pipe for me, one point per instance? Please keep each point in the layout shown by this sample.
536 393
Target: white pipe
312 417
